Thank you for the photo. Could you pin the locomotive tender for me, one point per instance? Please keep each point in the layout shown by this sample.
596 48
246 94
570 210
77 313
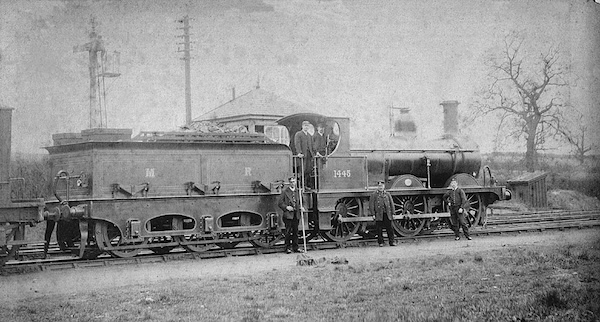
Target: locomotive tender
160 190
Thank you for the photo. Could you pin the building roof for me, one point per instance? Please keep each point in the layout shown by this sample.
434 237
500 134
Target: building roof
255 102
528 177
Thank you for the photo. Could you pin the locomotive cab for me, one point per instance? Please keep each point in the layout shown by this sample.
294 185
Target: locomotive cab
337 169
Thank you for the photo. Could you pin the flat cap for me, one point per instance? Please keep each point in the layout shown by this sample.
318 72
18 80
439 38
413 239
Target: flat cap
305 123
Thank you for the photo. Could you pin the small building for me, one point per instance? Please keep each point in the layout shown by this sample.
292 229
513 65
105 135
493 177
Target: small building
530 188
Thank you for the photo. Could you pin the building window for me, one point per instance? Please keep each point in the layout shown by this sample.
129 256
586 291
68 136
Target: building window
276 133
259 128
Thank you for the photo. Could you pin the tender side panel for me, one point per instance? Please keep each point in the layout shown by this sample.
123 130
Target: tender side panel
145 173
139 170
240 171
78 164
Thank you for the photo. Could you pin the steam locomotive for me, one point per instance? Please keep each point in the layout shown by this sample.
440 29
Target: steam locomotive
118 194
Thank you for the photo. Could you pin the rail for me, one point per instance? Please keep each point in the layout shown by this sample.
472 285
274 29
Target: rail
499 224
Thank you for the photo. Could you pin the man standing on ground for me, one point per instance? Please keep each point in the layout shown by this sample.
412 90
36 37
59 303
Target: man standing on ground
289 202
458 205
381 207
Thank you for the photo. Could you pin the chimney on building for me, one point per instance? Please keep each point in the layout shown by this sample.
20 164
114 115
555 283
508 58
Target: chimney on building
233 93
5 141
450 117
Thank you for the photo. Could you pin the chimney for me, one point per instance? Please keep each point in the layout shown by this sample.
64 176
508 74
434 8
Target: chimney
5 129
450 117
233 93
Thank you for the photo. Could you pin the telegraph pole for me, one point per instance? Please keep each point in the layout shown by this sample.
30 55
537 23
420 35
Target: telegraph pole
186 58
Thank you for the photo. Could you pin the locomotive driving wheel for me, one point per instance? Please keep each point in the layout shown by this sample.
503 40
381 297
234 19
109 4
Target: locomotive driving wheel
474 213
109 235
406 206
343 231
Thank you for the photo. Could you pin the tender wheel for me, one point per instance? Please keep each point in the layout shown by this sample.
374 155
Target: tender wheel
109 235
267 239
343 231
407 205
474 213
230 244
156 248
197 248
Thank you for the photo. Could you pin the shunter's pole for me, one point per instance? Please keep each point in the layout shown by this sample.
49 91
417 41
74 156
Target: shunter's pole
302 207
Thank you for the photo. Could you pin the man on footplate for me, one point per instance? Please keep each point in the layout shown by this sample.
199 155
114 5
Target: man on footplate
458 205
289 202
381 207
304 149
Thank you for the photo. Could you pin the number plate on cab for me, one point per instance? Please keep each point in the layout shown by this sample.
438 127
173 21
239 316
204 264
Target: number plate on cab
343 173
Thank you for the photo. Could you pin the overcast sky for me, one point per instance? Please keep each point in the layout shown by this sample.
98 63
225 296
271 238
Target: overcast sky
346 58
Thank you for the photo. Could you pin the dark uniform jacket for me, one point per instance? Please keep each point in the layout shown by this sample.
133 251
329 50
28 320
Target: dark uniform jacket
457 199
319 143
290 198
377 202
303 144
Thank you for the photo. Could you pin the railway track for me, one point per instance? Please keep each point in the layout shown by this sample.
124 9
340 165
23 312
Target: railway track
31 257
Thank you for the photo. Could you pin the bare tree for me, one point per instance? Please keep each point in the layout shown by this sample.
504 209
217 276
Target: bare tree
523 92
576 131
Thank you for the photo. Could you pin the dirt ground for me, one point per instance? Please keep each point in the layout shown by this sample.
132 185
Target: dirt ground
19 288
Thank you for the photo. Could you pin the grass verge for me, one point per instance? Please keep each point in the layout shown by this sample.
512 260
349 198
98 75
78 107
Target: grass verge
514 284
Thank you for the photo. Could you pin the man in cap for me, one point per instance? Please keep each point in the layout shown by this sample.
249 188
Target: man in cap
381 207
289 202
458 204
320 148
304 150
320 141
